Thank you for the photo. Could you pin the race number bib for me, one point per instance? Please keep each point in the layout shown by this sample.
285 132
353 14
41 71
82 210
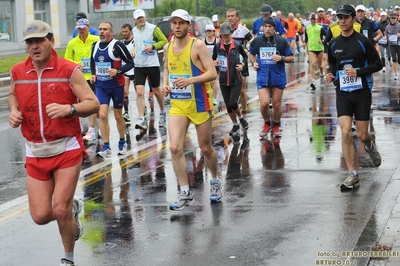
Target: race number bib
85 64
210 48
222 63
382 41
153 52
179 93
393 39
266 54
102 71
349 84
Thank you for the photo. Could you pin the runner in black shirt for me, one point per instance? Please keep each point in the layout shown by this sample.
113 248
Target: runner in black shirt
352 60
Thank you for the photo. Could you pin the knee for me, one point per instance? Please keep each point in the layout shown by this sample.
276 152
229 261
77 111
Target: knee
175 149
139 93
232 107
206 150
62 211
363 135
346 135
42 217
103 116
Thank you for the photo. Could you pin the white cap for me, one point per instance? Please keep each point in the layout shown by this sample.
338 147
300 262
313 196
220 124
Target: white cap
214 18
138 13
383 13
333 12
360 7
320 9
329 10
397 7
273 14
180 13
209 27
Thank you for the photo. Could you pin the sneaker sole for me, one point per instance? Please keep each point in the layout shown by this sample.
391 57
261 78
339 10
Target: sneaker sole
76 217
215 200
103 155
189 203
140 127
346 188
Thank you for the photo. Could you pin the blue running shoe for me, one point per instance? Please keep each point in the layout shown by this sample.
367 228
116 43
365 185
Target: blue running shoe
122 147
215 191
184 199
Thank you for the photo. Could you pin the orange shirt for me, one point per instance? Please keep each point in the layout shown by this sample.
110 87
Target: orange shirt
291 28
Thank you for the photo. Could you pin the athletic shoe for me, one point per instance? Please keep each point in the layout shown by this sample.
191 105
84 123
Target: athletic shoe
235 130
374 155
245 144
312 85
184 199
244 123
105 151
90 137
65 262
162 120
321 75
265 129
122 147
396 76
77 205
351 182
141 124
215 191
126 117
384 69
276 132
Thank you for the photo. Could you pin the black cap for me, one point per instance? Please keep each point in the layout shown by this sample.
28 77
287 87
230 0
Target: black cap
346 10
313 16
306 14
394 15
266 9
269 21
80 15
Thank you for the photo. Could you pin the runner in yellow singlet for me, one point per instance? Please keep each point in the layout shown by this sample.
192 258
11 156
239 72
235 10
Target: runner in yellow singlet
188 70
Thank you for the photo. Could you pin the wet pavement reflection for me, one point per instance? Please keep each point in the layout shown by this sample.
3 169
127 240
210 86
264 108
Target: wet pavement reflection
281 200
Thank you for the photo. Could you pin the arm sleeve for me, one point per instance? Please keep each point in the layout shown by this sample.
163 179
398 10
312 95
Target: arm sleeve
331 61
92 63
375 63
244 54
160 37
305 36
122 52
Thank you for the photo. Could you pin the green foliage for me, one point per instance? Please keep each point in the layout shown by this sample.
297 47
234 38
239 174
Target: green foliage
8 62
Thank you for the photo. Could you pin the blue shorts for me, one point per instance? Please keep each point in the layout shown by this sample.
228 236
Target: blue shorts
290 39
116 94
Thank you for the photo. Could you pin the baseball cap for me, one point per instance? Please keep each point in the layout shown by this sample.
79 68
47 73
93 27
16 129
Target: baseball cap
225 28
383 13
138 13
80 15
360 7
214 18
313 16
266 9
347 10
397 7
333 12
180 13
209 27
329 10
273 14
82 23
394 15
36 29
320 9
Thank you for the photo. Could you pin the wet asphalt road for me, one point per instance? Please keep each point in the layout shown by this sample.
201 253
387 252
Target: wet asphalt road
281 204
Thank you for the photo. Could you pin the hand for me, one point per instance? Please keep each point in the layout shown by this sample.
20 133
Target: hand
182 82
239 67
256 66
148 48
93 79
15 119
55 110
112 72
329 77
165 90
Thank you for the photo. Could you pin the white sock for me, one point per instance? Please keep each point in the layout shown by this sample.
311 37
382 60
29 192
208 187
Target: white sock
91 129
185 188
69 256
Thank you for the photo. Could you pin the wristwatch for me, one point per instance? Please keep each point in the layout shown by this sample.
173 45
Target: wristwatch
73 110
119 72
283 58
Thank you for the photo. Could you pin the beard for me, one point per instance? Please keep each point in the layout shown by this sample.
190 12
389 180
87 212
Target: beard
183 34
